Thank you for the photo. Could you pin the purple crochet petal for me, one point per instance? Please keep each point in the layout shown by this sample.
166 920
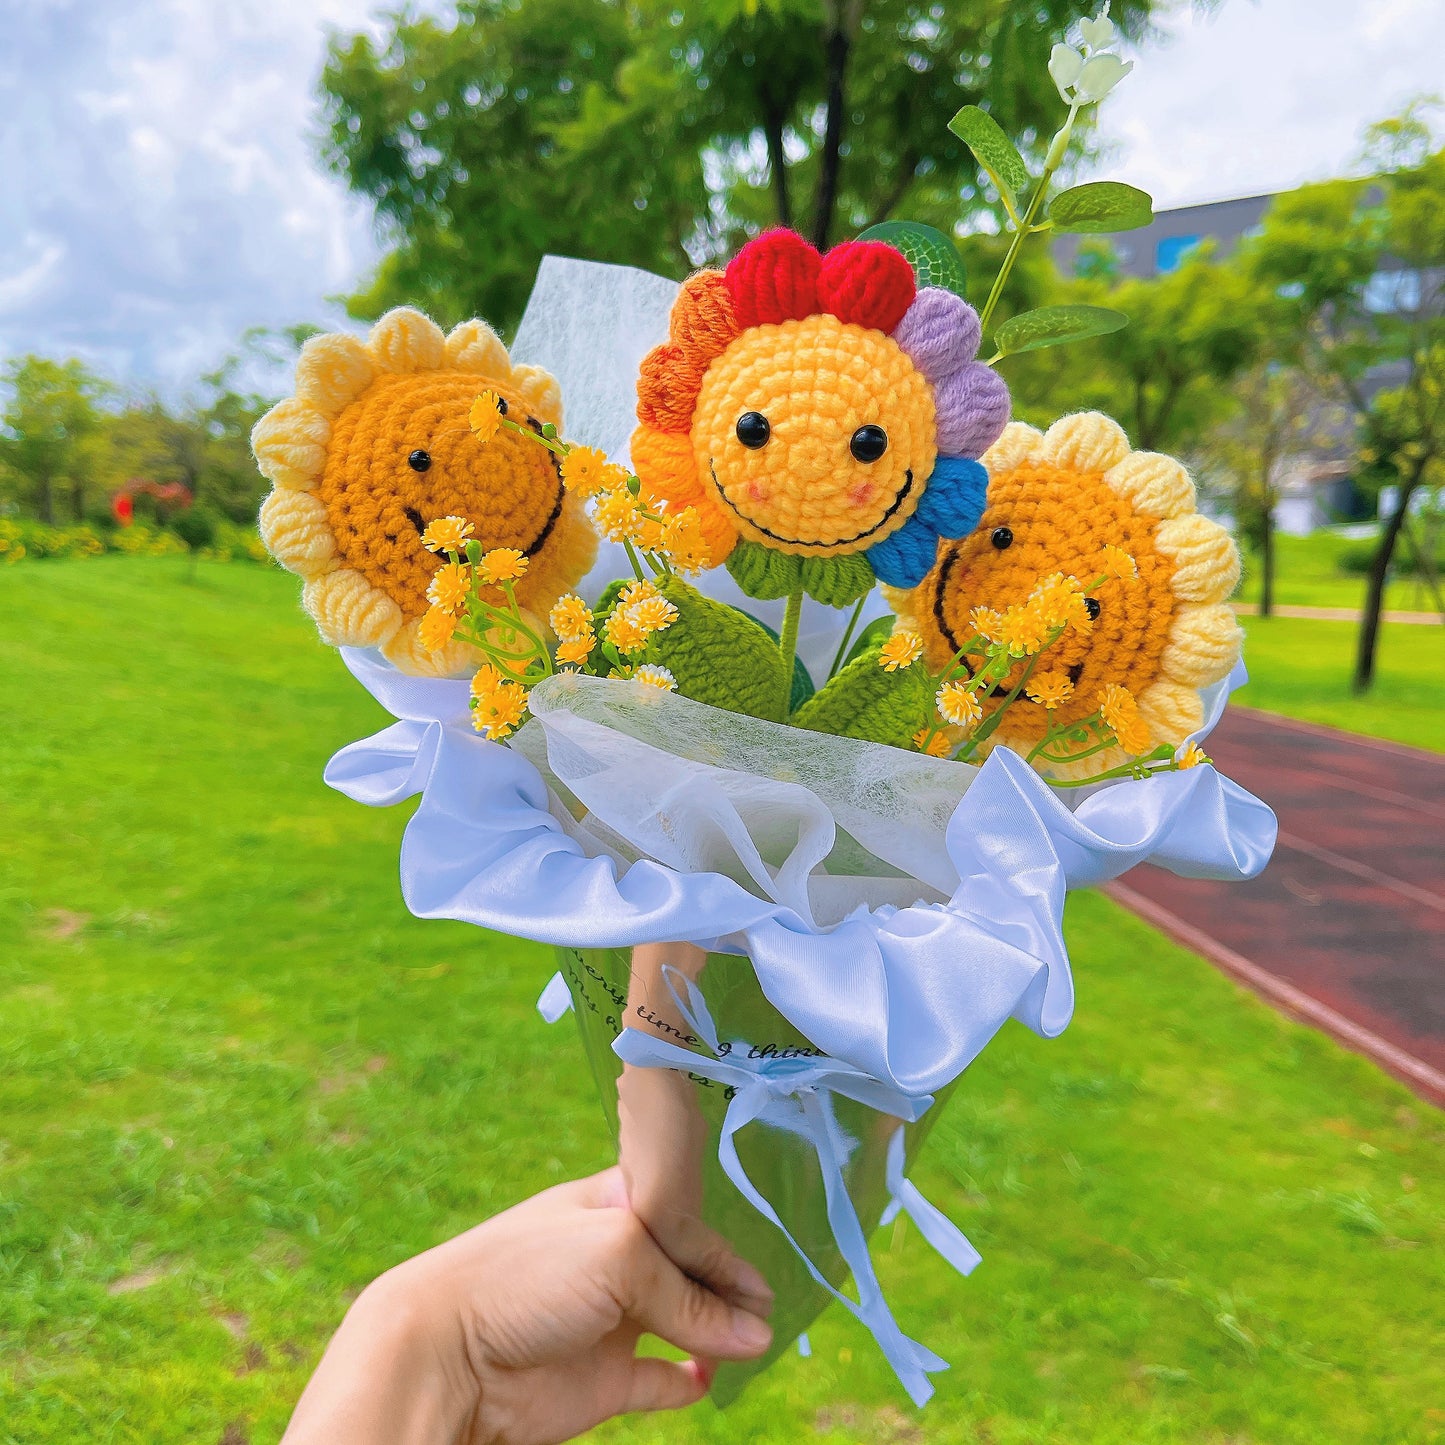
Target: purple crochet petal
973 408
940 332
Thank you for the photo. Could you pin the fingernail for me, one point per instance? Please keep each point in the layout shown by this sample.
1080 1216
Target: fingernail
751 1332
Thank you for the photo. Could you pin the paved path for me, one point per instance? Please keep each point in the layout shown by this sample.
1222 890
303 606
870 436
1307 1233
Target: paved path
1346 927
1341 614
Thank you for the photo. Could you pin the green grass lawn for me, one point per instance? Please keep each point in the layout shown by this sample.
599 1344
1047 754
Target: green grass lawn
237 1080
1309 573
1303 668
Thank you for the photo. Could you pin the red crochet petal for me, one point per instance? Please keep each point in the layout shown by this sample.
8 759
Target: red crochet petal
868 283
774 278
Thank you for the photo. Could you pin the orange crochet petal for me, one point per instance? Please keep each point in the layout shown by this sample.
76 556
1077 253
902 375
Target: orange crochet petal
663 461
667 388
704 323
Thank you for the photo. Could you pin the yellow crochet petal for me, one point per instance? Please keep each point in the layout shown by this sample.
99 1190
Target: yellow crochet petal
540 391
474 346
1087 441
404 340
404 651
1019 443
1206 561
289 444
297 533
1156 485
1171 710
349 611
332 372
1204 643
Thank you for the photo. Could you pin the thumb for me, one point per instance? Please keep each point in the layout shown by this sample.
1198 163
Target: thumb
663 1385
666 1303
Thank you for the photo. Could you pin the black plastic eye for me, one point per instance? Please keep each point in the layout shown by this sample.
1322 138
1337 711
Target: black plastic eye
502 405
754 430
1002 537
1091 606
868 443
419 460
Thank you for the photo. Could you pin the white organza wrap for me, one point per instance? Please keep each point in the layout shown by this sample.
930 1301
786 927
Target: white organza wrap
896 908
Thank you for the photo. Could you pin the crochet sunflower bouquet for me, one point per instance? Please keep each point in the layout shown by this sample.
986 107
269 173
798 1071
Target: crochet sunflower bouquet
797 776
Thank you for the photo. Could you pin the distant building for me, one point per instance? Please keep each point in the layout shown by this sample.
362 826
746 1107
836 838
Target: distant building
1159 247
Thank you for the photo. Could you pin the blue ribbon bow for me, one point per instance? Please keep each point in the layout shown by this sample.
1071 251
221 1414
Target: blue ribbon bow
796 1095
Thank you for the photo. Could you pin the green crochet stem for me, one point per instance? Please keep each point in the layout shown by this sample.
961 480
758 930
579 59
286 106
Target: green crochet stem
788 646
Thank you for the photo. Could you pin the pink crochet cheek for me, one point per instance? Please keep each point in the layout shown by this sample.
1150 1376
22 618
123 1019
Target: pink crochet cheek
940 332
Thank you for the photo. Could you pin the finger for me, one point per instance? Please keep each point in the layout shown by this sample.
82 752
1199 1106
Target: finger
601 1191
668 1304
663 1385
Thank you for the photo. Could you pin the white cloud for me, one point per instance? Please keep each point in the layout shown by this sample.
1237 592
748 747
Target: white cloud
162 192
1266 94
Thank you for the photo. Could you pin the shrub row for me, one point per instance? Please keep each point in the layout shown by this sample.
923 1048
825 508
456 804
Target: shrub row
21 537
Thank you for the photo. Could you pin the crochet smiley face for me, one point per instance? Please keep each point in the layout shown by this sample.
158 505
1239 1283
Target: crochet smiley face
820 407
375 445
1055 502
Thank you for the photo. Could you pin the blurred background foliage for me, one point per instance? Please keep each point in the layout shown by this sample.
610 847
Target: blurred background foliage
662 135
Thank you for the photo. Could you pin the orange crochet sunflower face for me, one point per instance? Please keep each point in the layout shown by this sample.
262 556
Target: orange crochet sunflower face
402 455
1055 502
816 435
375 445
819 406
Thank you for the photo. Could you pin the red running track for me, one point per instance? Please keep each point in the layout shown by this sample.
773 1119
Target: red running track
1346 927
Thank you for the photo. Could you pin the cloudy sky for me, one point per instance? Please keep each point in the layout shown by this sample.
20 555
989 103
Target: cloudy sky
161 194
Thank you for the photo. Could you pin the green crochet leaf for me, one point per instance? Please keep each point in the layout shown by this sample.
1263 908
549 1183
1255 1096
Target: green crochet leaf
864 701
933 256
803 687
763 573
767 575
837 581
718 655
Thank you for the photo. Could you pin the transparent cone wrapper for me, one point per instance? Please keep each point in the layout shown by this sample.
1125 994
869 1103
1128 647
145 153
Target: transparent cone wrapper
782 946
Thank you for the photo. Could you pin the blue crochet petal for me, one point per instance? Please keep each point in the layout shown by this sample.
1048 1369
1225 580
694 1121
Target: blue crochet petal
953 500
904 559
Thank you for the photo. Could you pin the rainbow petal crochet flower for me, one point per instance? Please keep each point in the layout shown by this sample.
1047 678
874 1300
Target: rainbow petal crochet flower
819 407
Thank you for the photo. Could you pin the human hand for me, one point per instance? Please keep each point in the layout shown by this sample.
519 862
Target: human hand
523 1331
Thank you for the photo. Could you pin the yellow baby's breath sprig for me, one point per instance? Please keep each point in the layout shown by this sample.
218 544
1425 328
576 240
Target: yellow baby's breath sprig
575 651
1192 757
618 517
903 649
1119 565
1059 602
934 742
1022 631
957 704
638 591
485 416
446 534
652 674
450 587
436 629
584 471
498 703
571 618
503 564
623 632
652 614
1050 689
684 543
1120 714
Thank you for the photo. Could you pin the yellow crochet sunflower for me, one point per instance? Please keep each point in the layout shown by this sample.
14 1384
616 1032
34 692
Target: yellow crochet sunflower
1056 500
375 445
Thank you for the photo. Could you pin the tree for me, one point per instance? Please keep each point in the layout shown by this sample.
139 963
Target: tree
1276 417
1361 265
52 412
655 134
1164 375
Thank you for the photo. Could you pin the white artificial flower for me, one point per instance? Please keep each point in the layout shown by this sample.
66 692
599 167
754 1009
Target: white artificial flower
1065 65
1100 31
1101 73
